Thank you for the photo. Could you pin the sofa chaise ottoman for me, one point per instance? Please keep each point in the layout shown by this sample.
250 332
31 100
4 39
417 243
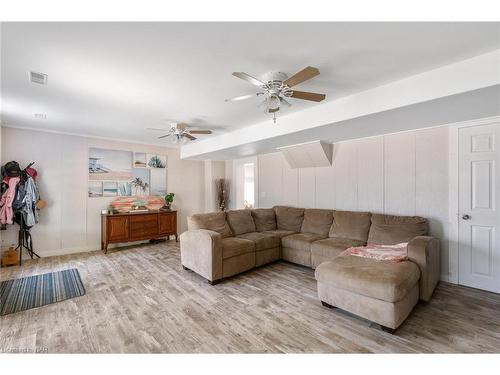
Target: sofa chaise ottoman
383 291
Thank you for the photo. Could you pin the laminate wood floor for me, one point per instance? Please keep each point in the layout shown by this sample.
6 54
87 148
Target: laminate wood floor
140 300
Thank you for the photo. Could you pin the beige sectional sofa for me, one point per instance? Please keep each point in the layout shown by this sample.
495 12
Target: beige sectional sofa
223 244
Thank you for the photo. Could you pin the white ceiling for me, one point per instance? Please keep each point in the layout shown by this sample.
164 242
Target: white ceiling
116 79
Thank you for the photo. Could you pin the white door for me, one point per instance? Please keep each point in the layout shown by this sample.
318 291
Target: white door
479 216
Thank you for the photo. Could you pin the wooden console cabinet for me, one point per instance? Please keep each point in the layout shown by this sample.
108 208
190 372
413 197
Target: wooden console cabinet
137 226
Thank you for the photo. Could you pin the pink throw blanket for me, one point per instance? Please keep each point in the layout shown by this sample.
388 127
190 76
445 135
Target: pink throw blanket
393 253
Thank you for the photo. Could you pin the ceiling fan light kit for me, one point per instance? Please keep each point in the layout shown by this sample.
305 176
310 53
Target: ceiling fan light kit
277 87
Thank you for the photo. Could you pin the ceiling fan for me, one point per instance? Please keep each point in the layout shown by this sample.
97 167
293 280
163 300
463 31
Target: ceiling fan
276 88
179 131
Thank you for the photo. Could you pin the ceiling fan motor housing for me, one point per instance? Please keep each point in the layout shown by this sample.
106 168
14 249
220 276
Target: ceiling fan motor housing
274 84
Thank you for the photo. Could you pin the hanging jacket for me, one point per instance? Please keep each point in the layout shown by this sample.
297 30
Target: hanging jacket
30 214
18 202
6 201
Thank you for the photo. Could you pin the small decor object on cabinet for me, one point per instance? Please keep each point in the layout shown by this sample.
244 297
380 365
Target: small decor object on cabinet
169 198
222 188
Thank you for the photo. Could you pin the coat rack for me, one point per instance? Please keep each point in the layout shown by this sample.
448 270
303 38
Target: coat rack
25 240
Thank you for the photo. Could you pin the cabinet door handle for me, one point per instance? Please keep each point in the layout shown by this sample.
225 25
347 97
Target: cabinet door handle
466 217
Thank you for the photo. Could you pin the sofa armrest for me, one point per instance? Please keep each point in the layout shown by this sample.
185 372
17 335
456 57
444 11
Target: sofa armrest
424 251
201 252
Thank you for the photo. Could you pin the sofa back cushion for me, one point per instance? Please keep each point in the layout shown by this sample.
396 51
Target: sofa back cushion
289 218
264 219
240 221
350 225
215 221
317 221
390 230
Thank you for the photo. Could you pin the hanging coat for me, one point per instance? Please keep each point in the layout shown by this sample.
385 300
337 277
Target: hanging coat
6 213
30 214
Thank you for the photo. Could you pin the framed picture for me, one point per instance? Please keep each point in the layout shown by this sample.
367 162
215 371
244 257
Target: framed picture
156 161
139 160
117 173
95 189
109 189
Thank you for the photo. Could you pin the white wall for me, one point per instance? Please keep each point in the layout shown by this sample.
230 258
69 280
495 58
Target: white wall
71 220
403 174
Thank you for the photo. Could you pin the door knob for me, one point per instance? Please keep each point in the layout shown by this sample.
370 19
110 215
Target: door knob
466 217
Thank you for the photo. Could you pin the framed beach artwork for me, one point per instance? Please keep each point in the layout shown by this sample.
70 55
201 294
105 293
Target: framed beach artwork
156 161
140 160
125 173
95 189
109 189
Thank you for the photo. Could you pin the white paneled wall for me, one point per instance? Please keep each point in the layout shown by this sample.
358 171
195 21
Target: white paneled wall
402 174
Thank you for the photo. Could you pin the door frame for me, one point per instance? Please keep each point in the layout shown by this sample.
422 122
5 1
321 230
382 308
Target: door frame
453 197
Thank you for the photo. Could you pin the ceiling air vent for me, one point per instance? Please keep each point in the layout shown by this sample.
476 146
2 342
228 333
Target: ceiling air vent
39 78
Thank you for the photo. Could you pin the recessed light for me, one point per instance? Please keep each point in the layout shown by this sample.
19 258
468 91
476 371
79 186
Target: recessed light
40 78
40 116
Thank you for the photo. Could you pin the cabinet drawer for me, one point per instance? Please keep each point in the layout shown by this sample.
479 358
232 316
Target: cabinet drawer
167 223
142 226
118 228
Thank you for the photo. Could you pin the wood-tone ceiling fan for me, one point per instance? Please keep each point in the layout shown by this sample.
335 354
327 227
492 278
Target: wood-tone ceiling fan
277 87
179 131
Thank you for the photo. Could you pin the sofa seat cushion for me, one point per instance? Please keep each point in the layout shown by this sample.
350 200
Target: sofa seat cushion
215 221
264 219
279 232
263 241
391 230
233 246
383 280
240 221
289 218
300 241
317 221
351 225
333 247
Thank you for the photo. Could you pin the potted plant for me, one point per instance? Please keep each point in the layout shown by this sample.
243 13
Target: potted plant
169 198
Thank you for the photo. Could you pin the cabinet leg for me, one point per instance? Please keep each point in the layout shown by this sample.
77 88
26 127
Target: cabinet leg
105 248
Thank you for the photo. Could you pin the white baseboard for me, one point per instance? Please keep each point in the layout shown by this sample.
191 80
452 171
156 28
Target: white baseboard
73 250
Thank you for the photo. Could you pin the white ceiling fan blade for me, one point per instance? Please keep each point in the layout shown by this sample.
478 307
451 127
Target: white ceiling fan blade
248 78
158 129
243 97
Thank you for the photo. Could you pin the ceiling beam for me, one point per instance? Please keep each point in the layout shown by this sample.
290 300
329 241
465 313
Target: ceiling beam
467 75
